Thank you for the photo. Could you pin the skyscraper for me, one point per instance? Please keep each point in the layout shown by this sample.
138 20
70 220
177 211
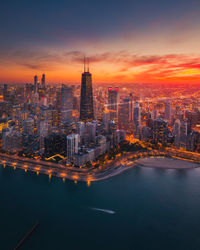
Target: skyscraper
43 81
183 134
113 102
66 103
35 83
177 126
106 120
137 115
160 131
72 144
5 92
124 114
168 110
86 103
137 119
131 107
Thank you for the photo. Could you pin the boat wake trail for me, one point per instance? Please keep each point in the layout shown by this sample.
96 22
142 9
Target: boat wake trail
103 210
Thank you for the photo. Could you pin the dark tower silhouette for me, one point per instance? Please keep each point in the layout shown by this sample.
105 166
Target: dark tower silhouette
43 81
35 83
86 104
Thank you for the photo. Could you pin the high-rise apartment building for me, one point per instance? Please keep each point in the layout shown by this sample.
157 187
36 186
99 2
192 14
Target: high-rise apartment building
124 114
136 115
177 126
72 144
168 111
66 103
113 95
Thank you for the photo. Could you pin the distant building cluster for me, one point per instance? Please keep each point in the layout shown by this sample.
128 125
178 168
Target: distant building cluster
76 124
65 123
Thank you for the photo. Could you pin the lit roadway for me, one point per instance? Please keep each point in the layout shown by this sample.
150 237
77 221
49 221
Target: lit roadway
51 169
65 172
109 169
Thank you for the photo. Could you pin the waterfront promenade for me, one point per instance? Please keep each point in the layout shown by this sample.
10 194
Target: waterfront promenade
109 169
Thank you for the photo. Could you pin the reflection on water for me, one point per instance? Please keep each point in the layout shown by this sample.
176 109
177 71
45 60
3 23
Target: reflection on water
181 173
157 208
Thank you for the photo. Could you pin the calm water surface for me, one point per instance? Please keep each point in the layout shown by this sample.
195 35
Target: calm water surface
154 209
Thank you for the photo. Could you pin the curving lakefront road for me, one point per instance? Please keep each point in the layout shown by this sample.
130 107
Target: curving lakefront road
115 167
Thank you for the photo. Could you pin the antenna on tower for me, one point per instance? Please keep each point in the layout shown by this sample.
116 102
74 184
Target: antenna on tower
84 63
88 65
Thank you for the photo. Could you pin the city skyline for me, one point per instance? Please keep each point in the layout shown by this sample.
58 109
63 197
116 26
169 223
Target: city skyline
100 124
129 42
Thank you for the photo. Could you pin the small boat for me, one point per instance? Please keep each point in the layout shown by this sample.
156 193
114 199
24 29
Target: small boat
103 210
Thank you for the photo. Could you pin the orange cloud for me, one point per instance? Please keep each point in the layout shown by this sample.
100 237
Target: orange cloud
122 66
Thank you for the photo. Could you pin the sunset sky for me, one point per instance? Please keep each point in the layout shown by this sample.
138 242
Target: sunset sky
147 41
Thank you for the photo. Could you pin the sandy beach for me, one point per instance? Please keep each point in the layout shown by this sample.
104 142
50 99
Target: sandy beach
166 163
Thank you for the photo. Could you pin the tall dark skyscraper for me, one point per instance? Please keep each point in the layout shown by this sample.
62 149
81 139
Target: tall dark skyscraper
35 83
43 81
5 93
86 103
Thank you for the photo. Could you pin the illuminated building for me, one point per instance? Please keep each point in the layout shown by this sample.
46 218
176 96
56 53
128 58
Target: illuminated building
43 81
183 134
35 83
106 120
4 123
146 133
81 130
120 136
66 104
101 141
177 126
112 132
5 93
168 111
131 107
137 115
28 126
192 141
72 144
113 95
124 114
95 106
30 144
137 119
160 131
12 141
90 132
154 114
43 132
55 143
55 121
86 103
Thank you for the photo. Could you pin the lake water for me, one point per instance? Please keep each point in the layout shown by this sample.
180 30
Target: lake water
143 208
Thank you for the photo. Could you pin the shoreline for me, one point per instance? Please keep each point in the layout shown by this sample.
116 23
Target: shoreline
185 163
112 169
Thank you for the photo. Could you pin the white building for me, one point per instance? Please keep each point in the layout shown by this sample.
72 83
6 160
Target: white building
72 144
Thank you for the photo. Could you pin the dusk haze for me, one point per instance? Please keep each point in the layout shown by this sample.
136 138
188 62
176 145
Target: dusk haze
100 125
127 41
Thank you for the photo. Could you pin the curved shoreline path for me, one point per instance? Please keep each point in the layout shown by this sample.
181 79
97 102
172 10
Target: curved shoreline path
116 167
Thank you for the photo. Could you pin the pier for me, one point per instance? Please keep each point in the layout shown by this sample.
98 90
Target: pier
22 241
